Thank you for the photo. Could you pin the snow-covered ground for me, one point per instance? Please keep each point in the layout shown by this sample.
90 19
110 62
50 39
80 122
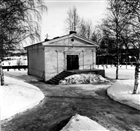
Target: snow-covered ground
15 60
124 73
18 96
122 90
82 123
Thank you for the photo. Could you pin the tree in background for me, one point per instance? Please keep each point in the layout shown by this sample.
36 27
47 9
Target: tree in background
115 24
85 29
82 28
72 20
97 35
123 25
18 22
133 8
130 34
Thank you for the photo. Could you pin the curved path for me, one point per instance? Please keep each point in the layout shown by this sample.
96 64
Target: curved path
61 102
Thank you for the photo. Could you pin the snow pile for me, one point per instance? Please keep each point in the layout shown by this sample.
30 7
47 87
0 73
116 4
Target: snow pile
17 96
83 79
82 123
122 90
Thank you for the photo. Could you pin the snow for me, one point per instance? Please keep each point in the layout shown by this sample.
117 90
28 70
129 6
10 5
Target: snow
18 96
124 73
82 123
10 61
89 78
121 91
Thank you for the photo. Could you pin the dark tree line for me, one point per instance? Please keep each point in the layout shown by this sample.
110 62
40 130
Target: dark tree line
123 26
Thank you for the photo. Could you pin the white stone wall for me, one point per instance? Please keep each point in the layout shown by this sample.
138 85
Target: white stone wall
46 61
36 62
86 59
61 62
94 57
54 62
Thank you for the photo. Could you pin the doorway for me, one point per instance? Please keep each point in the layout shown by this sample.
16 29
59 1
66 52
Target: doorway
72 62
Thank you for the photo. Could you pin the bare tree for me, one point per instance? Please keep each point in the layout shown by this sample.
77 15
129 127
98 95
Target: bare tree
131 33
115 24
134 12
97 34
123 24
18 22
72 20
89 29
85 29
82 28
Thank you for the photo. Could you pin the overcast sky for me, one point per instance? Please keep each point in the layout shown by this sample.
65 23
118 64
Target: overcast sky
53 21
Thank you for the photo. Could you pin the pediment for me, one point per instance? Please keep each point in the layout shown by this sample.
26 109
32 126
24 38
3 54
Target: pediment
69 40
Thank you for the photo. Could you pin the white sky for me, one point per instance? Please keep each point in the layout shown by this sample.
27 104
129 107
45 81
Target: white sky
53 21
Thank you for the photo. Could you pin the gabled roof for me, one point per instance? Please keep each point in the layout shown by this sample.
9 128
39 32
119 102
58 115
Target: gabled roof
57 41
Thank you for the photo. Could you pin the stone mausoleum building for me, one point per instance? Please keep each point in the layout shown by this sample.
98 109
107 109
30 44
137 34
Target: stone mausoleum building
66 53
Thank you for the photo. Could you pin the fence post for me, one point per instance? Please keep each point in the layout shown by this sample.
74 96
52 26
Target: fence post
126 65
1 74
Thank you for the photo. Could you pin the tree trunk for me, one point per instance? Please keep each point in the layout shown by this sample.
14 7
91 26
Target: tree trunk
1 75
137 77
117 70
117 64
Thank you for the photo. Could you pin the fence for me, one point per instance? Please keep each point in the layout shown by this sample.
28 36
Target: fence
15 67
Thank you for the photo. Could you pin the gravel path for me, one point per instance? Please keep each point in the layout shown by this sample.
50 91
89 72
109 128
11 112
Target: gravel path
62 102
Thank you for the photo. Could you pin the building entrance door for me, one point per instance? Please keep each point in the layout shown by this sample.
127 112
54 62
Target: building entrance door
72 62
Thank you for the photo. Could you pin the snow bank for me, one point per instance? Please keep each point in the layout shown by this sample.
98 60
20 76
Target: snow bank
121 91
82 123
18 96
83 79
